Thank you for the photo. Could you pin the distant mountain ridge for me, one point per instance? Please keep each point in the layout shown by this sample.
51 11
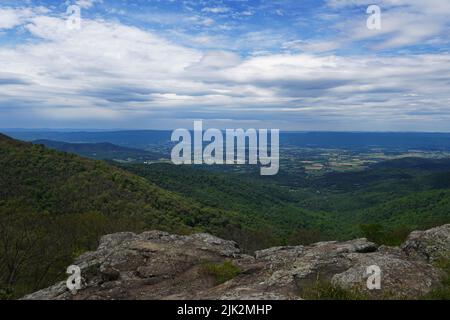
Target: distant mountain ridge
102 151
142 139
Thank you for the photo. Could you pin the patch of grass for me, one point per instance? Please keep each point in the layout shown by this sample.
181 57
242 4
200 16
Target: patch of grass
443 291
382 236
222 272
6 293
325 290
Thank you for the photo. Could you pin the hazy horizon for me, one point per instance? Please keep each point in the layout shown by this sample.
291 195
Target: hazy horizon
93 130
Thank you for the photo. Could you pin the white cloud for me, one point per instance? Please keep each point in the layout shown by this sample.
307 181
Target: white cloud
404 22
216 10
10 18
86 4
115 72
217 60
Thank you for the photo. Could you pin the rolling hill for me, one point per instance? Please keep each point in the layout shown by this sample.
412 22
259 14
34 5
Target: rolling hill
405 194
56 205
102 151
142 139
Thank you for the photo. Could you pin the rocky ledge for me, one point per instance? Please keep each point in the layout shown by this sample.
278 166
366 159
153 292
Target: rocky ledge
158 265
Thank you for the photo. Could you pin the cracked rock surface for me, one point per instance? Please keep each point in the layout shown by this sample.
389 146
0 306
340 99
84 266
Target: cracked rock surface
157 265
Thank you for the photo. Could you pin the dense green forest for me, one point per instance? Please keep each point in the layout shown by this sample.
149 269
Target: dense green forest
395 196
55 206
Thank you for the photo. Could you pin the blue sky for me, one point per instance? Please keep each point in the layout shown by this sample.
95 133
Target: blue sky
288 64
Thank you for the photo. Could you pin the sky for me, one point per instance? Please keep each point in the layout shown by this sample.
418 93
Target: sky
281 64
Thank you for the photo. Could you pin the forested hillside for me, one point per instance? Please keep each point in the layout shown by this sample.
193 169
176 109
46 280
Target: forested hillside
392 198
55 206
102 151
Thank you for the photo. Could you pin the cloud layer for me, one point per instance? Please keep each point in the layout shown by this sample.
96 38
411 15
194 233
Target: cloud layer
112 74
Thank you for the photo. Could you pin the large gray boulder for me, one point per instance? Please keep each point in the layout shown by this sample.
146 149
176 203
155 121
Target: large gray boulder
158 265
431 245
400 278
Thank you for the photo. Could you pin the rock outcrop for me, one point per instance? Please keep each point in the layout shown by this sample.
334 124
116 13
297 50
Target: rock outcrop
431 245
157 265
